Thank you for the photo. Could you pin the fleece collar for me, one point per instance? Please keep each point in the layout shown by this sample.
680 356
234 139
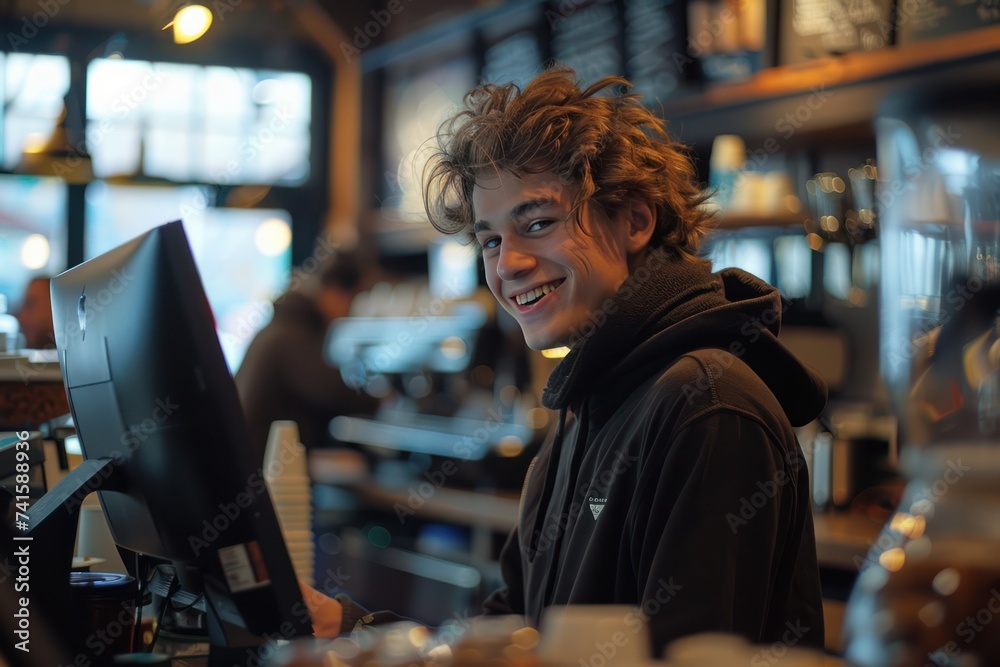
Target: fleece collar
670 306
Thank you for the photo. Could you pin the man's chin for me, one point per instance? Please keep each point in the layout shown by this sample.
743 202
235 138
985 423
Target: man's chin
539 342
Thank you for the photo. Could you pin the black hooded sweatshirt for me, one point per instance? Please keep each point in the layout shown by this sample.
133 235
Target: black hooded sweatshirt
675 482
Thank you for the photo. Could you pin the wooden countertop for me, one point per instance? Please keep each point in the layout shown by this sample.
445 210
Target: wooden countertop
841 539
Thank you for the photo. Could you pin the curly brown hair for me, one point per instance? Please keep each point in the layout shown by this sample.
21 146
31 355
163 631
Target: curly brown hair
610 145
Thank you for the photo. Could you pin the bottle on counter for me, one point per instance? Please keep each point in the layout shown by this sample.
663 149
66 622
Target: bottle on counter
728 156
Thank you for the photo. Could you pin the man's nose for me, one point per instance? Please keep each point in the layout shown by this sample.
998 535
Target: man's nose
514 260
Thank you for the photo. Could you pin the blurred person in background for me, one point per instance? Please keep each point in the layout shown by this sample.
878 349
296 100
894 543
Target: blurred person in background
675 482
285 376
35 317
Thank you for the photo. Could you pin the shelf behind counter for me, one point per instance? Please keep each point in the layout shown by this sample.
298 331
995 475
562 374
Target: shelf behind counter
842 540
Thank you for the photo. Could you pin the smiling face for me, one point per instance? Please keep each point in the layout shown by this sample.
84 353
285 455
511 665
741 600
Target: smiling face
550 273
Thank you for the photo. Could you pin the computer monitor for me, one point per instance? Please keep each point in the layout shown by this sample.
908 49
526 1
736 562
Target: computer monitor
155 407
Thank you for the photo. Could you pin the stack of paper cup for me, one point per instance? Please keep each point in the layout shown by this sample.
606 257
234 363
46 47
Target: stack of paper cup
286 471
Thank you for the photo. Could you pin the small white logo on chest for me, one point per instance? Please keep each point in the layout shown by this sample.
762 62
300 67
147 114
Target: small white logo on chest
596 506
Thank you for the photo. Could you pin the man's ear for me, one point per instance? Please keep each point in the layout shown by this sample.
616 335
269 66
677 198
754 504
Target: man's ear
641 221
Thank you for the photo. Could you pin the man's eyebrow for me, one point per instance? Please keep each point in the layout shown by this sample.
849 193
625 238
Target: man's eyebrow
522 210
526 207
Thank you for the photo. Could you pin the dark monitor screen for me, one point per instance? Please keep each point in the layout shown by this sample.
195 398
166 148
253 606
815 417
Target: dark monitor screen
149 388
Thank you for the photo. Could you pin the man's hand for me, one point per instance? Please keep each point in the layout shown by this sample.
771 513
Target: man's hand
326 613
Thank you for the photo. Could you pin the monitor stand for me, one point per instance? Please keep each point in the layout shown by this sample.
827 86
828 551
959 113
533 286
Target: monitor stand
50 538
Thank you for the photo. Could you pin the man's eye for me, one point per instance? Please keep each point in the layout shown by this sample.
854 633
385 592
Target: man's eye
538 225
490 243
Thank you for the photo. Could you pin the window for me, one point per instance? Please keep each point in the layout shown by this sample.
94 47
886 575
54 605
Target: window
189 123
33 88
32 232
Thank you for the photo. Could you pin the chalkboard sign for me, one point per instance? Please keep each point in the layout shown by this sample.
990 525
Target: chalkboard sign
812 29
513 47
655 48
917 20
516 59
587 38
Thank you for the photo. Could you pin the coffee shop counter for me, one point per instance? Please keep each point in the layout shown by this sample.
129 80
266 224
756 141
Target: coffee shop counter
842 539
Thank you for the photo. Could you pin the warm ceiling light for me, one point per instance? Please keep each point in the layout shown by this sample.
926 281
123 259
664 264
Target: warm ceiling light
190 23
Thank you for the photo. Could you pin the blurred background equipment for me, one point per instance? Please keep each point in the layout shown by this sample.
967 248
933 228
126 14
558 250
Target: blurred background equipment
933 573
287 122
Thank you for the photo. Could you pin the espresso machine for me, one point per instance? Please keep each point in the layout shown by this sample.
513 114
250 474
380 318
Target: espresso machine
929 590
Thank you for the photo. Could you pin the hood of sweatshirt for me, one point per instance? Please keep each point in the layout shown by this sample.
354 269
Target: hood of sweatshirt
669 307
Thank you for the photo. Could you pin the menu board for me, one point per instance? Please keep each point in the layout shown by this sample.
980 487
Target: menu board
924 19
587 38
812 29
654 36
517 58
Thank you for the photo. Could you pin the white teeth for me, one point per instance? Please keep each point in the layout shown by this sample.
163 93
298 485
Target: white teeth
536 293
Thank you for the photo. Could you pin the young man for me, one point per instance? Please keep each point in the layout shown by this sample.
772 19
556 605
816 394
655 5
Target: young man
675 482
